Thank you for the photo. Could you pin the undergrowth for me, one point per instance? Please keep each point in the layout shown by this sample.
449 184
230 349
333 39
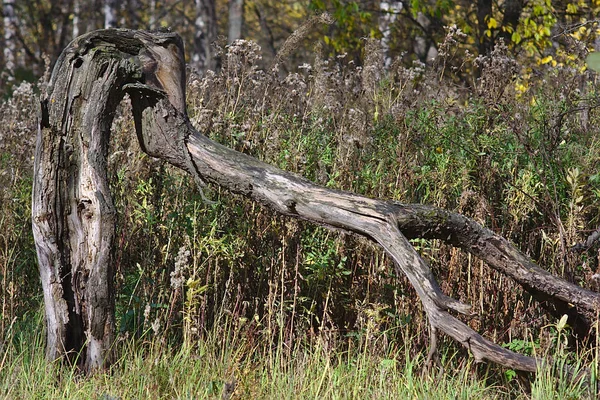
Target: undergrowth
303 310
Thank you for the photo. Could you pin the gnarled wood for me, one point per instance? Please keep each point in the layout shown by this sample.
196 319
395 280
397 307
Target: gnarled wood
72 210
73 216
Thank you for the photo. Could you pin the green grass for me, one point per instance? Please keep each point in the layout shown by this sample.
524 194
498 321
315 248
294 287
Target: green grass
230 363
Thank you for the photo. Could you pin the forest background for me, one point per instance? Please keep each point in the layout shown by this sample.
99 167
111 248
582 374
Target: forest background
486 108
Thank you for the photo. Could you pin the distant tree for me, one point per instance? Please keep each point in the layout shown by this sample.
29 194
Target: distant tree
10 44
236 20
205 34
76 15
152 16
110 13
389 14
133 14
484 12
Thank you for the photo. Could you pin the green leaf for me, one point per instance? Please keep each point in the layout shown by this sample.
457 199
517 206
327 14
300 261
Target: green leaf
593 61
510 374
516 37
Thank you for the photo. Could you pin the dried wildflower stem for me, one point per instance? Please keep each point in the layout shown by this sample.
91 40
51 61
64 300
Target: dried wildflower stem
73 215
293 41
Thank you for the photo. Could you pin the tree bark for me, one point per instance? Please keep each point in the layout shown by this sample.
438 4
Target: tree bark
73 215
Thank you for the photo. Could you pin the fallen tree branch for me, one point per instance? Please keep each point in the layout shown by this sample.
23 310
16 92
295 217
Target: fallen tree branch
379 220
73 216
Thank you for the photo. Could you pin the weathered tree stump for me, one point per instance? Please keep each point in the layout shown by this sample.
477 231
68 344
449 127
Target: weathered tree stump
74 216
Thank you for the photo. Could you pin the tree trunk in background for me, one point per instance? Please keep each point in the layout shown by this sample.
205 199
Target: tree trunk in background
484 12
10 39
236 20
423 46
512 14
74 218
265 28
110 13
133 9
205 26
389 14
76 13
152 18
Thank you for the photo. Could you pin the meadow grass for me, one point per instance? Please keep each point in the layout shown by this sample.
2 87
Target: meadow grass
226 365
150 370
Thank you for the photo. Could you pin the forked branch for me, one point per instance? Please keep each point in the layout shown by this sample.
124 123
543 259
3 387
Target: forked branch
150 67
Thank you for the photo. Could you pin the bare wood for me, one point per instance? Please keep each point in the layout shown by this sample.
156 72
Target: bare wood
295 196
73 216
556 295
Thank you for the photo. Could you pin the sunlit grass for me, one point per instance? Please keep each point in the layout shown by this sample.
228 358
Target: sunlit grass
225 365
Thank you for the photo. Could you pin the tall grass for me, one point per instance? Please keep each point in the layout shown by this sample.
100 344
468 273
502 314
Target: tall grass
225 364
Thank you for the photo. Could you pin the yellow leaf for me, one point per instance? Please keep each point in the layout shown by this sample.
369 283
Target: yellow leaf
192 283
545 31
492 23
546 60
520 88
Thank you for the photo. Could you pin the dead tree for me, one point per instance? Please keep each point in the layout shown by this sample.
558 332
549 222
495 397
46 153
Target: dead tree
74 217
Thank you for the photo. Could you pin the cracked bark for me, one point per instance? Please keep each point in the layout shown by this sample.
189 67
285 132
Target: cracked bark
73 215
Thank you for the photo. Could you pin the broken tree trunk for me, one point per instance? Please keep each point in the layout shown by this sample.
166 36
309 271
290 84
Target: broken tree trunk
73 215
